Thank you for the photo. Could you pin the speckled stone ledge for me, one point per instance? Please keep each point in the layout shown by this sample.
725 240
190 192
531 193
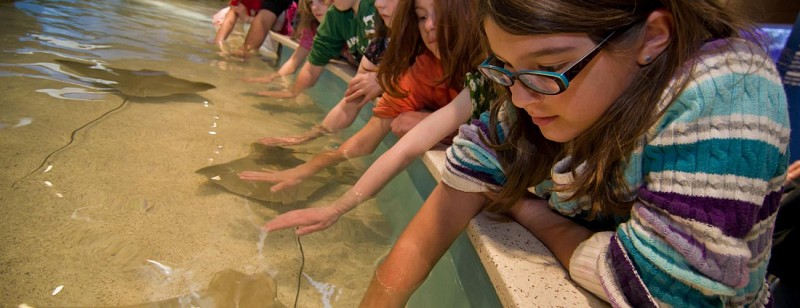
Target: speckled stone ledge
523 271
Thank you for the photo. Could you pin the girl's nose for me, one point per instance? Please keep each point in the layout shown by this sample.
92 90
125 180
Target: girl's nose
521 96
430 23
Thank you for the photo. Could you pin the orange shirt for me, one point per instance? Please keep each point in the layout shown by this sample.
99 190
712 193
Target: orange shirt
421 81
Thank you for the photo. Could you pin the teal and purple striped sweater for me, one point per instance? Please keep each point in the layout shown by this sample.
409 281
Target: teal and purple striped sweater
709 179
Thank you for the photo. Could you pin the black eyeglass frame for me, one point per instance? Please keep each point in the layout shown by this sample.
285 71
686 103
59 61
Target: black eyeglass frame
561 79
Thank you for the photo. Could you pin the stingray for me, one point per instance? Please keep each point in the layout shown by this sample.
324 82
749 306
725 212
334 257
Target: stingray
264 157
140 83
228 288
128 83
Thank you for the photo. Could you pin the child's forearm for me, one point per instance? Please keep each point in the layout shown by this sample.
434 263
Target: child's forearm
294 61
416 142
307 77
560 234
320 162
433 229
372 181
225 29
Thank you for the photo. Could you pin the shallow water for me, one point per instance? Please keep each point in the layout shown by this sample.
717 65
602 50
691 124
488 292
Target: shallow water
118 216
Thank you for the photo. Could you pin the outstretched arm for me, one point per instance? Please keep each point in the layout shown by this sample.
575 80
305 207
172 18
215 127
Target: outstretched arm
430 233
421 138
258 31
362 143
560 234
364 86
289 67
307 78
342 115
225 29
361 89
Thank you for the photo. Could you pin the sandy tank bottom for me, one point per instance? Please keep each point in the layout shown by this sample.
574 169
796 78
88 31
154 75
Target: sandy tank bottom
121 218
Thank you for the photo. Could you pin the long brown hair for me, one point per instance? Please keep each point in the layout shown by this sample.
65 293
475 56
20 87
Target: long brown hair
458 37
527 156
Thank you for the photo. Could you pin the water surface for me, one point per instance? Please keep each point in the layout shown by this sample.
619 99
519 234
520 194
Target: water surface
118 217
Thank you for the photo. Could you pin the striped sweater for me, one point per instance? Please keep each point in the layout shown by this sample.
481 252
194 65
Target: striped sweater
709 178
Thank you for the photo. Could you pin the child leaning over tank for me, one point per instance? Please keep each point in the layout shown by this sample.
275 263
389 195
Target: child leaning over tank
644 142
362 89
348 24
263 16
432 80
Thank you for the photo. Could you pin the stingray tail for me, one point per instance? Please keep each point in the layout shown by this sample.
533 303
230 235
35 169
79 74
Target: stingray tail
300 271
71 140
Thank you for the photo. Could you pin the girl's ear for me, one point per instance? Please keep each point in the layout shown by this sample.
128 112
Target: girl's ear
657 35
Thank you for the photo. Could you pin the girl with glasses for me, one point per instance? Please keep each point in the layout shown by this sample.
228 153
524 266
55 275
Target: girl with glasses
644 142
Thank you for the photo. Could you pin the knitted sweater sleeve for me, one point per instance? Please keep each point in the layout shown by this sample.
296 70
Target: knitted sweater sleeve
471 165
709 179
701 229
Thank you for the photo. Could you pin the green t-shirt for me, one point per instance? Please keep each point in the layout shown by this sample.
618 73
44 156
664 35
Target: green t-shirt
343 28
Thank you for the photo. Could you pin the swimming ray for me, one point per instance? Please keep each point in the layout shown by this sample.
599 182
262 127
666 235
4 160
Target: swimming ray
141 83
129 83
263 157
228 288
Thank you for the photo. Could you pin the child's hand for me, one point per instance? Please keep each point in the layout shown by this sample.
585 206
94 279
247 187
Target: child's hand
263 79
364 86
308 220
283 179
793 172
222 49
285 141
316 131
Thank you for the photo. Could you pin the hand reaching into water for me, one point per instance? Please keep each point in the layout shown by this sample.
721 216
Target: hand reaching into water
285 141
244 52
316 219
263 79
283 179
222 49
308 220
316 131
278 94
364 86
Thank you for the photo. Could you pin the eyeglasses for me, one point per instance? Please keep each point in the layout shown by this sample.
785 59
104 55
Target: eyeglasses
545 82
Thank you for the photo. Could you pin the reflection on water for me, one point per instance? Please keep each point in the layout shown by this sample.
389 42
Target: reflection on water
114 215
